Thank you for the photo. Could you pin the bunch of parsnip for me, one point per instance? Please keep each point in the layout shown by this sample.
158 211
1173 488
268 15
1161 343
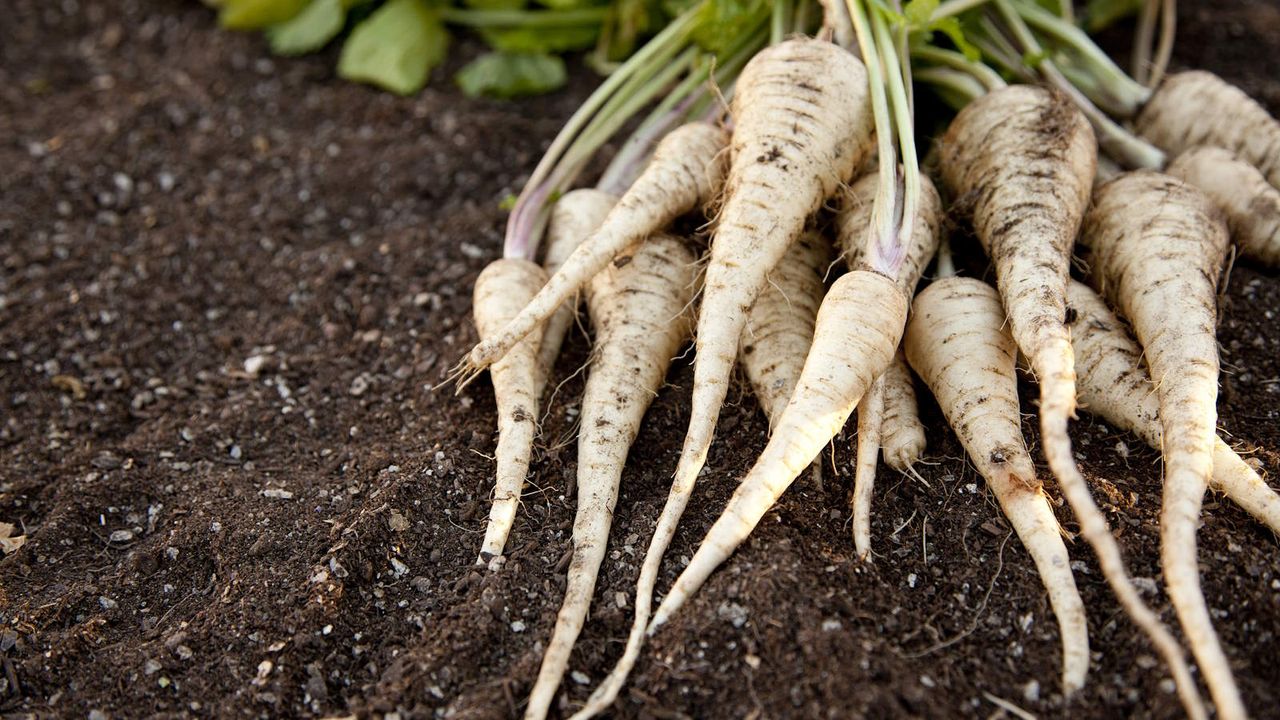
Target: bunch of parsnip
817 145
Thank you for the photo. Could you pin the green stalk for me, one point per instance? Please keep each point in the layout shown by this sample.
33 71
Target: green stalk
951 8
1121 86
474 18
621 108
885 240
1126 148
956 88
988 78
625 166
903 112
524 227
778 29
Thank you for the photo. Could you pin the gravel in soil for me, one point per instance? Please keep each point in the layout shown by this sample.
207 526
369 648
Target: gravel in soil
229 283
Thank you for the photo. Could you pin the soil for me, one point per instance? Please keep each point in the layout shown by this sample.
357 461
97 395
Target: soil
229 283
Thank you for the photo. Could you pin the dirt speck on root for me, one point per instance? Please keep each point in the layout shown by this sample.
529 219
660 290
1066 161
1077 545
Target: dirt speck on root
229 282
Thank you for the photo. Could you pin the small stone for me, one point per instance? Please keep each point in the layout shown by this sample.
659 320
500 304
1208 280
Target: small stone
235 452
184 652
752 661
831 625
150 667
107 603
96 714
927 681
420 583
359 386
253 365
166 181
277 494
580 677
1031 691
734 613
121 536
399 568
517 626
398 522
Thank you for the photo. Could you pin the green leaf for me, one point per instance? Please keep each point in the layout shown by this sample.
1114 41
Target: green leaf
919 12
541 40
508 75
1034 60
721 23
508 203
309 30
257 14
951 27
396 47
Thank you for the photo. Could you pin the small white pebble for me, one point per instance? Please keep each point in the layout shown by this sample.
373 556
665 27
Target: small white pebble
1122 449
831 625
107 603
517 626
1031 691
254 364
927 681
911 580
121 536
752 661
400 568
580 677
971 488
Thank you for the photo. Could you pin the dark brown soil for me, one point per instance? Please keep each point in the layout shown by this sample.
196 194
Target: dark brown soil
207 541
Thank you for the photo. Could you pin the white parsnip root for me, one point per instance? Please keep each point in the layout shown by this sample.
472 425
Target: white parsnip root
859 325
1251 204
801 125
959 344
684 174
902 437
502 289
1114 385
888 397
779 327
1023 160
1157 249
640 311
1197 108
573 218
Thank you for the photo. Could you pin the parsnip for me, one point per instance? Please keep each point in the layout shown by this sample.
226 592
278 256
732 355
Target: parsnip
1114 385
640 311
959 344
1157 246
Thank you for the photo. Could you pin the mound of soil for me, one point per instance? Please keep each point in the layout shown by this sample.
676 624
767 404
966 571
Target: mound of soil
229 283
